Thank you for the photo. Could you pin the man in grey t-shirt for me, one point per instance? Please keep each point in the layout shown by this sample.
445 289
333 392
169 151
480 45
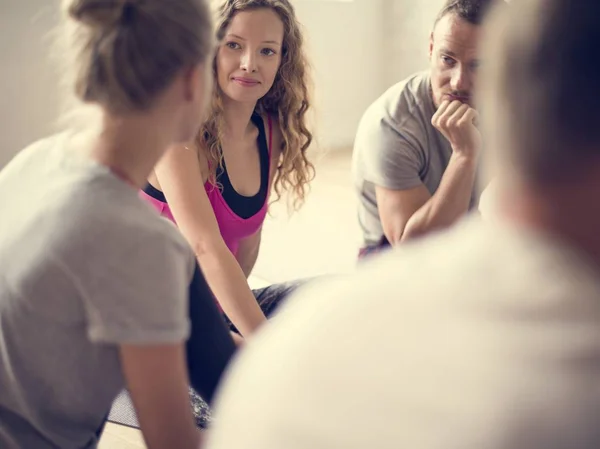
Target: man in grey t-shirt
416 148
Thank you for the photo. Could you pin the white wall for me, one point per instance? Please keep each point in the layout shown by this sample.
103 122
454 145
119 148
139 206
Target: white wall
360 48
407 25
346 46
28 93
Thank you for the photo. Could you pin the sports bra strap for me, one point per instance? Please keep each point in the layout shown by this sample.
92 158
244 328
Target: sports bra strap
270 125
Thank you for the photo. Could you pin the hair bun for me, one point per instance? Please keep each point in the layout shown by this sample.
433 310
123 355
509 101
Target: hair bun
99 13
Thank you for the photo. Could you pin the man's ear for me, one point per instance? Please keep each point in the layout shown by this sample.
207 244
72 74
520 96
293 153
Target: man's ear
430 45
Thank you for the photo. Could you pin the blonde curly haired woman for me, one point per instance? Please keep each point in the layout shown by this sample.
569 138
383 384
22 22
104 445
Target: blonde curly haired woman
254 143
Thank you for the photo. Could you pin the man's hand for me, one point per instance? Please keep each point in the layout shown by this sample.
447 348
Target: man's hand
457 121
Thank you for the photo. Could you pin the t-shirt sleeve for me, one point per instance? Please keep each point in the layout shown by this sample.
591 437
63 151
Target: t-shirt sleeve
391 158
138 293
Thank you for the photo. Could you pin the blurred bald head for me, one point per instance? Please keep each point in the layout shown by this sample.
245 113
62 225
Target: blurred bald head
541 88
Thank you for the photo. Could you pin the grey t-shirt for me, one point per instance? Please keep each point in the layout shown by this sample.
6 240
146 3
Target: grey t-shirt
85 265
398 148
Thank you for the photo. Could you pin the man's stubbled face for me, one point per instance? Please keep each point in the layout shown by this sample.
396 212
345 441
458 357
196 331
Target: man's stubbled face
453 57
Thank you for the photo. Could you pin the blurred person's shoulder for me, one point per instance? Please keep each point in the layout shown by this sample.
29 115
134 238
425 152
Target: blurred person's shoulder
473 263
454 325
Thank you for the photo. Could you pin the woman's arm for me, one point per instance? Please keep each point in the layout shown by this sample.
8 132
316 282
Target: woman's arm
181 180
161 399
248 252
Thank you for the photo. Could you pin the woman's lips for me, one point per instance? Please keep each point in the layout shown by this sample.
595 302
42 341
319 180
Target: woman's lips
246 82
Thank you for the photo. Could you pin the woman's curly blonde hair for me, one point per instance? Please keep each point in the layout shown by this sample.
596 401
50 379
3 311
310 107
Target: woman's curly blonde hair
288 100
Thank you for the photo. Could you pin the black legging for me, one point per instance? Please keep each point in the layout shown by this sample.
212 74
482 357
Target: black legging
210 345
269 299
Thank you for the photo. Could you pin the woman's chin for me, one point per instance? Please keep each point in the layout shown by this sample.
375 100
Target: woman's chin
242 97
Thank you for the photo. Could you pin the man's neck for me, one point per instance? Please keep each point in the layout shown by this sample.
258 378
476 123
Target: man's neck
563 211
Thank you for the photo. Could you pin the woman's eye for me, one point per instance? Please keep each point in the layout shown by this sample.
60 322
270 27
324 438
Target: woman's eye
232 45
268 51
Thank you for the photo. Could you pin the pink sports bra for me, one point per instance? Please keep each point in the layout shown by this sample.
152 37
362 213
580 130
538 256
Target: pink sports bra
238 216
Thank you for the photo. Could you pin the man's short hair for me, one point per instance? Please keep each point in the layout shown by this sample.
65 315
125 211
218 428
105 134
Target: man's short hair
540 87
472 11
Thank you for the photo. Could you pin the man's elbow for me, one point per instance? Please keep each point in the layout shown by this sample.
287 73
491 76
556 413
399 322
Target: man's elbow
421 225
417 226
411 232
394 232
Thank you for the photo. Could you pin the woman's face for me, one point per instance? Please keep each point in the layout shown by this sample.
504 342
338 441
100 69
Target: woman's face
250 55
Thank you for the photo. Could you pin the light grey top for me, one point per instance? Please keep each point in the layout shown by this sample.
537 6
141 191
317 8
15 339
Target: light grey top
485 336
398 148
85 265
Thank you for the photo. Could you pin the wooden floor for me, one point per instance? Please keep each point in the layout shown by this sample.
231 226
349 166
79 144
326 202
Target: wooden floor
121 437
323 237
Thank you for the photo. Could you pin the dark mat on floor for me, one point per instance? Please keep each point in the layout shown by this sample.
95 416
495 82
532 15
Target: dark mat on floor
122 411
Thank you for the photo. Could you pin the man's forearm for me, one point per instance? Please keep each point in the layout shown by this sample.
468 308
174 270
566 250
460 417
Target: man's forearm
449 202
